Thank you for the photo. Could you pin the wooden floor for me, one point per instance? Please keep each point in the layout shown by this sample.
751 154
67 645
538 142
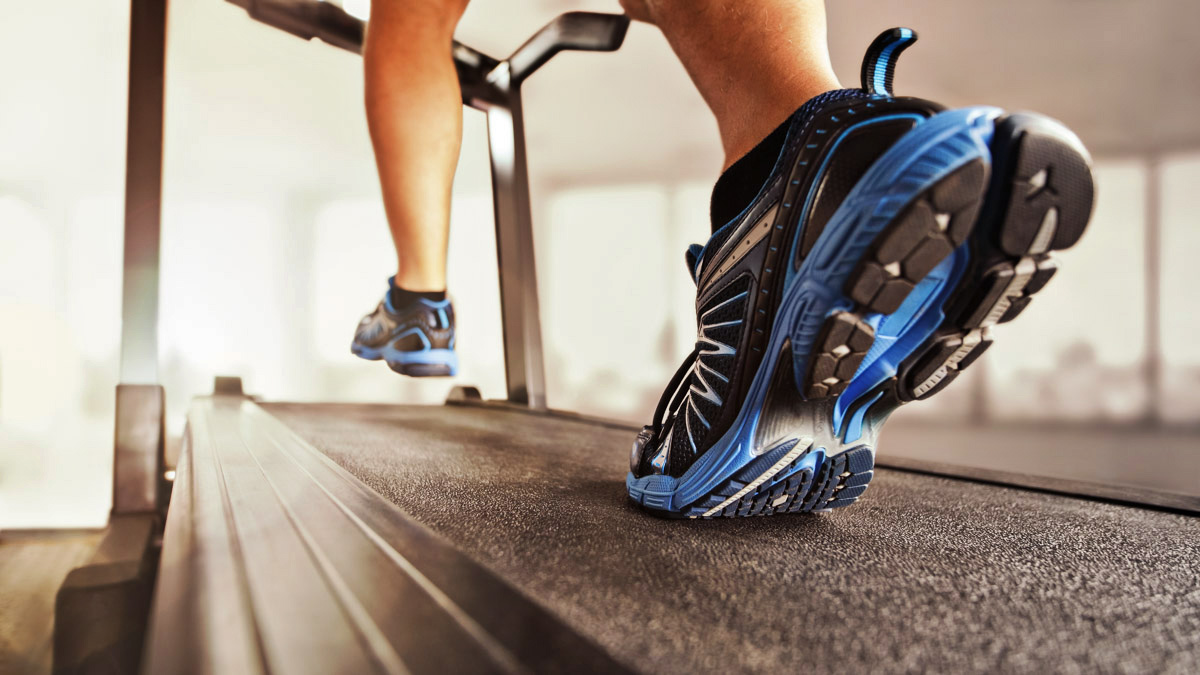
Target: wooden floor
32 566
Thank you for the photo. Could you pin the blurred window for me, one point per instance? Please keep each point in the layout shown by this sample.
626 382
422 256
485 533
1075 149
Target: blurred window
1180 328
1078 351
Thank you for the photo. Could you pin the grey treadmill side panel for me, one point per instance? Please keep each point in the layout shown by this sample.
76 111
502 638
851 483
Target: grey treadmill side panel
277 560
199 578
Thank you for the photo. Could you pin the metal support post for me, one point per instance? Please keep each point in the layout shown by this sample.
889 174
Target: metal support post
523 363
1153 276
138 462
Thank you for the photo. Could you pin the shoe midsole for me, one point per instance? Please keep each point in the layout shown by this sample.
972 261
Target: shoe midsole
429 357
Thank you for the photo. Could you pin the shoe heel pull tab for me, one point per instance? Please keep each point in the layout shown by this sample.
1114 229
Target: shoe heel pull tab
879 65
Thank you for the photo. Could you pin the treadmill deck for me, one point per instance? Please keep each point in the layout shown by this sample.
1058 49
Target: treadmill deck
923 573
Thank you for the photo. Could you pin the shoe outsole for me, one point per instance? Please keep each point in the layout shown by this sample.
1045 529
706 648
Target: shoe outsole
1040 200
422 369
811 482
1037 199
436 367
1033 197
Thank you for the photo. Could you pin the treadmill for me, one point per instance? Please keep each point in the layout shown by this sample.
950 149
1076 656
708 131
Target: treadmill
495 536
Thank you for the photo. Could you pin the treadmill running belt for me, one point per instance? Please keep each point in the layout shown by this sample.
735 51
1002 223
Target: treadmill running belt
924 573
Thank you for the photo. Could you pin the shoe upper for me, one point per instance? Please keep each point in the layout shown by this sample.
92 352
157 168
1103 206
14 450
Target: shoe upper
804 171
419 325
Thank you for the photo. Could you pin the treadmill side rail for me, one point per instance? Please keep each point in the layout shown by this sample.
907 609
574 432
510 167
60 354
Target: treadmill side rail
275 559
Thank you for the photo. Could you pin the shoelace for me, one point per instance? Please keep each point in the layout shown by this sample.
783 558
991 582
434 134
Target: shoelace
673 390
693 255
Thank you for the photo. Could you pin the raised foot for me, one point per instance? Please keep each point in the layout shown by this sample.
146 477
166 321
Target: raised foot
1035 198
946 236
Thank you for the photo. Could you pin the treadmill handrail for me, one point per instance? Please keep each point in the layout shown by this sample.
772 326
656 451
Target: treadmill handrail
309 19
572 31
312 19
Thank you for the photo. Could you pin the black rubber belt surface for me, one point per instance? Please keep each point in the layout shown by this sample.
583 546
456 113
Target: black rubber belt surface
923 574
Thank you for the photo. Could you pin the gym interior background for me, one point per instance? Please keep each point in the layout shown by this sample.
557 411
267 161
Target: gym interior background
274 241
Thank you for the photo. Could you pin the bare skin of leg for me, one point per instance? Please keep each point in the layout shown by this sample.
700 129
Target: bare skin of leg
414 112
754 62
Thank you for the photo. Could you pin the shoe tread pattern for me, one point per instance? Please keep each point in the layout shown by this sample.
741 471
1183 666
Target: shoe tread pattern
924 233
1039 200
838 481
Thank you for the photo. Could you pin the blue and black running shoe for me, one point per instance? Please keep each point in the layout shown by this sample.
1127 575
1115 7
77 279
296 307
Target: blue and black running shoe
416 338
879 242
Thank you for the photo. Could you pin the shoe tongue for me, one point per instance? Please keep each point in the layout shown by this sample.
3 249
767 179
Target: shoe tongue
738 187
